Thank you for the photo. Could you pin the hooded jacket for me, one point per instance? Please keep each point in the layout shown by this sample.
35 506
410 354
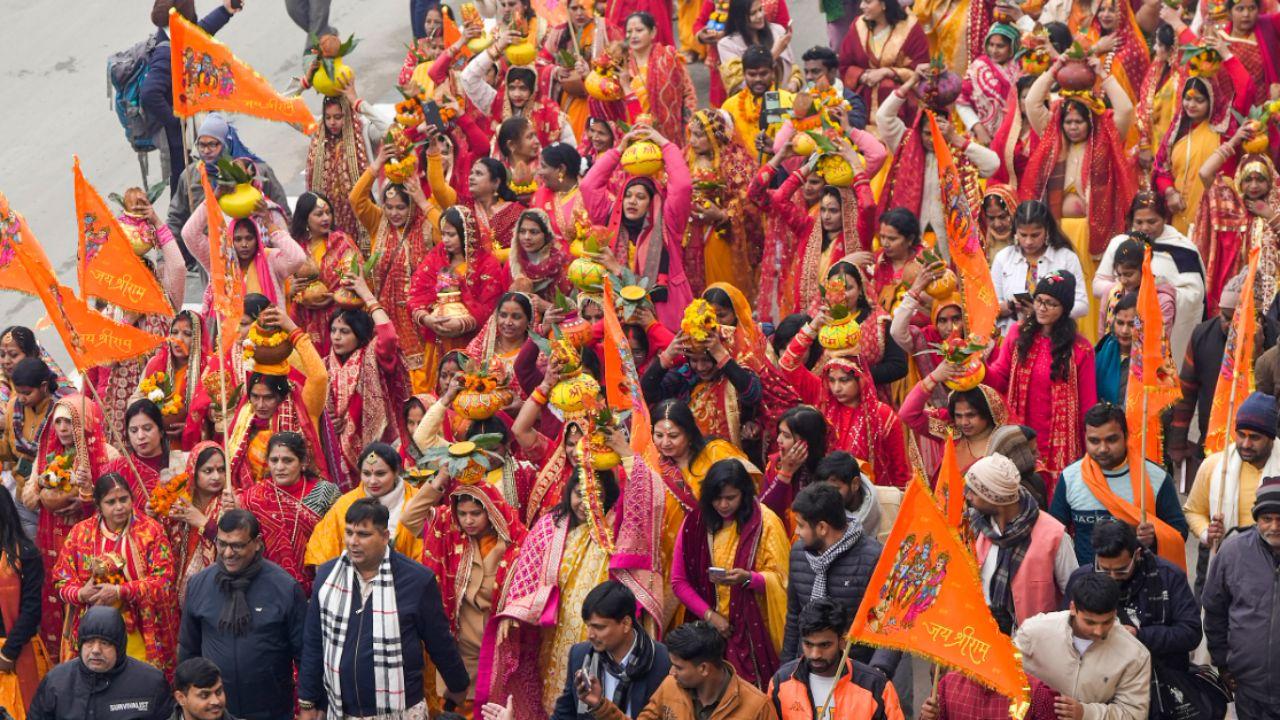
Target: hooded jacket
132 690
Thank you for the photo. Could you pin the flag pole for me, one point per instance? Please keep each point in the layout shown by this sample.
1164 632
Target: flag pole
115 434
1142 454
1222 464
844 658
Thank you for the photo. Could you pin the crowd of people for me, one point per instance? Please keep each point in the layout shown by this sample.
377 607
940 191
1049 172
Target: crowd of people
410 488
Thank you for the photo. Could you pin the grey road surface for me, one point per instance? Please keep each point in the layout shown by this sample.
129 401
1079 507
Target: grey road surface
53 79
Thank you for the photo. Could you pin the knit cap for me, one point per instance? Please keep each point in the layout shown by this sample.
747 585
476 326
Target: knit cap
1060 286
1231 293
1268 499
1258 413
995 479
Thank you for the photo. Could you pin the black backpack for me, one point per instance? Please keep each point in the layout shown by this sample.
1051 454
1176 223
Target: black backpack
126 72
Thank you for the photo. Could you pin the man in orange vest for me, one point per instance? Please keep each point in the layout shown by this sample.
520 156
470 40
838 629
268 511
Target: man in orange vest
809 687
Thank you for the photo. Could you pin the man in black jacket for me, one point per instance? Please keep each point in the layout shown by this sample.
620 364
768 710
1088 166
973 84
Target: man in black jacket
103 683
830 558
374 674
1156 604
618 663
246 613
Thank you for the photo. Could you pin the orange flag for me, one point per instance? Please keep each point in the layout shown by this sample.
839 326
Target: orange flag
224 270
622 382
948 491
1153 378
91 338
1235 377
555 12
14 232
929 602
108 267
978 291
207 76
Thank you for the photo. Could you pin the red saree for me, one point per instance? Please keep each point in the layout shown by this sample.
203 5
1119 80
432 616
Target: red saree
91 455
366 391
333 256
663 89
146 594
334 162
288 516
1107 173
193 548
905 48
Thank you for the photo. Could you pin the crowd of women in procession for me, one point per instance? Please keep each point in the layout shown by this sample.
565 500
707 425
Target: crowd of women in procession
426 325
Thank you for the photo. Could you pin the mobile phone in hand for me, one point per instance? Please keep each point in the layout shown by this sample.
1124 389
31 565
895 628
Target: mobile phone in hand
716 574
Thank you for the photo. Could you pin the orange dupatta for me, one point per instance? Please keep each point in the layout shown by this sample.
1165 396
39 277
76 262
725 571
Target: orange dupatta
1169 542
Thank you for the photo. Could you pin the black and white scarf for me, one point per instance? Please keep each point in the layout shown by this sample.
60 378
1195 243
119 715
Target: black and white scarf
1145 581
1011 547
336 597
633 669
820 563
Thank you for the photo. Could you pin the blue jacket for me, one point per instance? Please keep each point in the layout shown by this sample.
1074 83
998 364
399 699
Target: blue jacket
567 703
257 668
1075 506
1170 638
423 624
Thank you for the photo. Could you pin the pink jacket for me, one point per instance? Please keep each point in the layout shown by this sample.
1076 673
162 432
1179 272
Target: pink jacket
284 255
676 196
1035 590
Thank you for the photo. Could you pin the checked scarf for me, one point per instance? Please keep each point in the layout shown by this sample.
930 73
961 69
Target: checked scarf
336 597
1144 581
820 563
1011 546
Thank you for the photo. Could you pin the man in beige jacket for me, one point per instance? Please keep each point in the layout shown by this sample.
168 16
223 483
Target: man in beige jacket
1100 670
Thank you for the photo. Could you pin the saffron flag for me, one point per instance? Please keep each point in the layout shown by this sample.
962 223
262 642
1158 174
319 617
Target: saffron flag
622 382
91 338
224 270
555 12
1235 377
1152 387
948 491
207 76
108 267
963 242
925 597
14 232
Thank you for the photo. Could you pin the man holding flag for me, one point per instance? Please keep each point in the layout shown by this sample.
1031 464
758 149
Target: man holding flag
1101 485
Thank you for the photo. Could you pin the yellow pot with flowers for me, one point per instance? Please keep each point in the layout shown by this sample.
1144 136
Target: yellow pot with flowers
843 331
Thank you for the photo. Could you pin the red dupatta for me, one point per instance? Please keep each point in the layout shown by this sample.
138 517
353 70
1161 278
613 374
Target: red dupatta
1109 178
399 251
339 250
750 649
1063 446
669 92
449 552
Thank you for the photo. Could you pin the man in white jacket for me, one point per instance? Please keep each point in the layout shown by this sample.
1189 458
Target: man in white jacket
1099 668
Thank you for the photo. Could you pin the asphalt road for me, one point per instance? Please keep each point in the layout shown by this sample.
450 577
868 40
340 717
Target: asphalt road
56 104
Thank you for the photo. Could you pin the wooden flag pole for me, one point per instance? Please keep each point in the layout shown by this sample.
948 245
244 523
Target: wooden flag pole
1222 464
115 435
1142 455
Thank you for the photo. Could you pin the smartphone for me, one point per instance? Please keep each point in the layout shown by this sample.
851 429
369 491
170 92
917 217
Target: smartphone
1022 297
773 113
431 114
716 574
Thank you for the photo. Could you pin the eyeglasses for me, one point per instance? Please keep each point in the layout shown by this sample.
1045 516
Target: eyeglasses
233 547
208 144
1041 301
1117 572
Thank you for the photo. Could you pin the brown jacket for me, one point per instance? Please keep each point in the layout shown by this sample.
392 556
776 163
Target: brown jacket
741 701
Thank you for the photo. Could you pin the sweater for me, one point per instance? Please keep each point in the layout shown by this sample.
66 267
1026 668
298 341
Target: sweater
1112 678
1075 506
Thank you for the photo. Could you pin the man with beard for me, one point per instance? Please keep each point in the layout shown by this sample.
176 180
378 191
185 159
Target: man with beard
255 649
1220 502
1100 486
1024 555
199 692
809 688
619 664
747 103
875 506
102 682
1096 670
831 557
1240 600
